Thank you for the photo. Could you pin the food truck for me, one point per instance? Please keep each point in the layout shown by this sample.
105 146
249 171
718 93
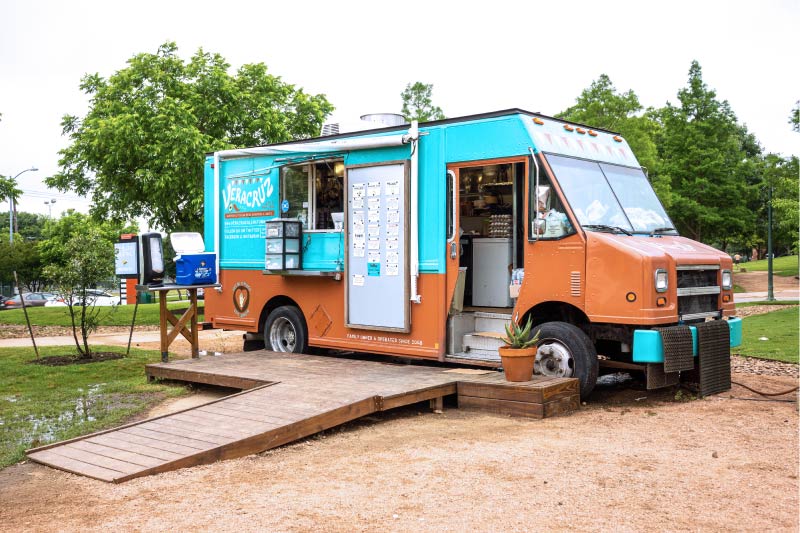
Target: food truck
425 240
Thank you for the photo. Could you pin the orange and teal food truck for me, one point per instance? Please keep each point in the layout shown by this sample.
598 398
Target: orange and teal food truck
425 240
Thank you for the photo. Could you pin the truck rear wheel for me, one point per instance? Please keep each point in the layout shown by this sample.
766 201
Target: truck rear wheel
285 330
566 351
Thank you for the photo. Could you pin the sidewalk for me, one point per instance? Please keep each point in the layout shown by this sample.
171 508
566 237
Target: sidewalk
211 340
761 296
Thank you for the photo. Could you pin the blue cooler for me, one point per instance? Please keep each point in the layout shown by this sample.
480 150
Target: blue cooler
193 266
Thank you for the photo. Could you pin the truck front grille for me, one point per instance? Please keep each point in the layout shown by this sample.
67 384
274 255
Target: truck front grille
698 292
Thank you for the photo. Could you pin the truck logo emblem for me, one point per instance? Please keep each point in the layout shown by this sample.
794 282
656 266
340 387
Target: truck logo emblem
241 299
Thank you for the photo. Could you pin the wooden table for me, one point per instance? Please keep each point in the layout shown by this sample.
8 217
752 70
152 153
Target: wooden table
185 325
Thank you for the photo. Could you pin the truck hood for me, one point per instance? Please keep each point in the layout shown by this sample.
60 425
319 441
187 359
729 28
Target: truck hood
680 249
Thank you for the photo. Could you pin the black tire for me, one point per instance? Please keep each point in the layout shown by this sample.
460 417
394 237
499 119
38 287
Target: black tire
578 357
285 330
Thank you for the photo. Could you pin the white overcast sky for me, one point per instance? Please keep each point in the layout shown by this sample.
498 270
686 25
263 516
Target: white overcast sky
480 56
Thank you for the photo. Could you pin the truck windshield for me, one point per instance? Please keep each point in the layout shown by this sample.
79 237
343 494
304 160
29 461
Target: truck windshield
604 196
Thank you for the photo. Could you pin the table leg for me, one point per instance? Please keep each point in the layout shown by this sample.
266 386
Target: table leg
162 316
193 324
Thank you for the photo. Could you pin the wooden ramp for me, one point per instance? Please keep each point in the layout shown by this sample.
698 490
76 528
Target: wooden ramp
294 396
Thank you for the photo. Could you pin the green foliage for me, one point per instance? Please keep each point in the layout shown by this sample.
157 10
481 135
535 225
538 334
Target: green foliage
42 404
602 106
139 150
57 234
418 104
794 118
781 173
23 257
520 337
8 188
780 328
90 260
711 164
29 225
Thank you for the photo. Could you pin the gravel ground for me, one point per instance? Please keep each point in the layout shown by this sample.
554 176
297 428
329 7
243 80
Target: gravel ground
627 461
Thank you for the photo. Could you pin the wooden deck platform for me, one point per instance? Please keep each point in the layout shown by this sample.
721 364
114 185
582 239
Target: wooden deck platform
289 397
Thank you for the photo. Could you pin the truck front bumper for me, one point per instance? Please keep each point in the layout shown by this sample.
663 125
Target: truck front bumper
648 347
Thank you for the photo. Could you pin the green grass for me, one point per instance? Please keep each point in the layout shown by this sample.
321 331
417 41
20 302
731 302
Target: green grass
781 266
776 302
41 404
109 316
780 327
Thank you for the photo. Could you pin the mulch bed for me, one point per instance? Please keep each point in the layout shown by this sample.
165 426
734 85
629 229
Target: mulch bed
74 359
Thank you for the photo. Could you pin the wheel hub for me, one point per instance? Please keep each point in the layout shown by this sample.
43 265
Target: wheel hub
282 335
554 359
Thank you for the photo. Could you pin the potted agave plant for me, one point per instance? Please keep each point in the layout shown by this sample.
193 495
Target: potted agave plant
519 353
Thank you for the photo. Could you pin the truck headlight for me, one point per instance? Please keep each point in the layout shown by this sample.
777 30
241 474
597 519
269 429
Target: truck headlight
662 281
727 280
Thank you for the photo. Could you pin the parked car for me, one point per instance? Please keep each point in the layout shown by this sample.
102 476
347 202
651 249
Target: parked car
32 299
93 297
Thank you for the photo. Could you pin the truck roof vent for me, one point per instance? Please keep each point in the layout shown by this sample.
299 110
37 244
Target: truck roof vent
331 128
365 122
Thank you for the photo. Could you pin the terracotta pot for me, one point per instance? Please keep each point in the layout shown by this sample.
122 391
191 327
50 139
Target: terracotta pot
518 363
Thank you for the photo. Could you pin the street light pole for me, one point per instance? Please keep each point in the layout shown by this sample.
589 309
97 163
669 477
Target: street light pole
770 292
12 206
49 204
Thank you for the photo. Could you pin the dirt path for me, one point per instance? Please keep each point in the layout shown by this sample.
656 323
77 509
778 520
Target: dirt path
616 465
757 281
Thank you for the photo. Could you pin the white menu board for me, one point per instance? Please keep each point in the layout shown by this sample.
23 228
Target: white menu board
377 247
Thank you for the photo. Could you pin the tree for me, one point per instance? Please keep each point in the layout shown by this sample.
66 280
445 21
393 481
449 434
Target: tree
781 173
29 225
602 106
710 162
794 118
90 261
418 105
8 189
23 257
139 151
57 234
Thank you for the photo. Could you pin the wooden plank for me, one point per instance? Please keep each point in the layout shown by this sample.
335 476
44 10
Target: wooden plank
499 391
398 400
191 430
250 414
116 453
561 389
83 456
172 447
47 457
232 426
112 442
502 407
198 445
562 406
528 410
207 378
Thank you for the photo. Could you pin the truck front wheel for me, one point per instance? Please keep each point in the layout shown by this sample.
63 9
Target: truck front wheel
567 352
285 330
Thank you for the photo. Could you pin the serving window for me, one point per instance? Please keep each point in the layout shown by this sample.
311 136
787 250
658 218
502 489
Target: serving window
313 193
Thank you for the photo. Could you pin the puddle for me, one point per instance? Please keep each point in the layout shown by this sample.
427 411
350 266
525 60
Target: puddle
43 428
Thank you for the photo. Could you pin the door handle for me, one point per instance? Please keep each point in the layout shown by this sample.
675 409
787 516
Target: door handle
453 250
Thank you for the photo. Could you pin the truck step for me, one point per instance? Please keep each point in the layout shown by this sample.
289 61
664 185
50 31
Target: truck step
483 343
495 322
478 356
